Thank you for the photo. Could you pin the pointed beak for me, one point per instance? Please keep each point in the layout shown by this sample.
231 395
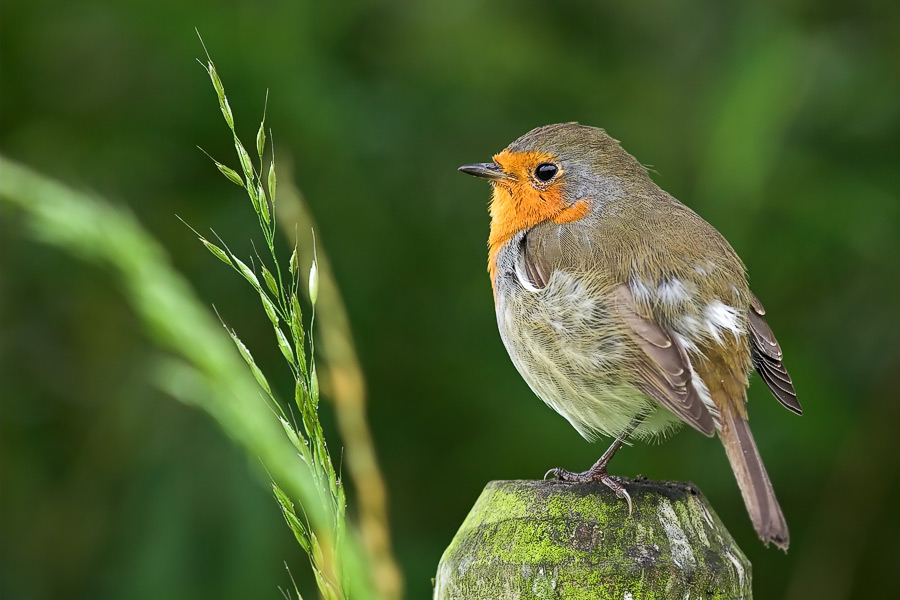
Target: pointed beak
489 170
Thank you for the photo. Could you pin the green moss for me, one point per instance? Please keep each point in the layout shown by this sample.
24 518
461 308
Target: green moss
508 502
583 507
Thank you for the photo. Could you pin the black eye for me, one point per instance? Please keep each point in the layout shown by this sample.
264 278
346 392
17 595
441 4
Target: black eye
545 171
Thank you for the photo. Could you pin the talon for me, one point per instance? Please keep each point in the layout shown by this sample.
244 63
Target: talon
599 473
561 474
624 494
619 489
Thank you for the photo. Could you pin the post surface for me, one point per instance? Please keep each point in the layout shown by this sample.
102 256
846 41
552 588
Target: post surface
551 539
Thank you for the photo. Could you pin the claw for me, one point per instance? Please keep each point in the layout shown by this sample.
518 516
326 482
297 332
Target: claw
627 496
598 471
561 474
619 489
594 475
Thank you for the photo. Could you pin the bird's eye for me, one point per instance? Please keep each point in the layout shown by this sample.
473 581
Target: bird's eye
545 171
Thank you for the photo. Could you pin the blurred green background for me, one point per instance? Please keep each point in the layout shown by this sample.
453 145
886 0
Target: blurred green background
778 122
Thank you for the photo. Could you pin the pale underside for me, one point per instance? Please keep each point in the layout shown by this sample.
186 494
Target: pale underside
576 354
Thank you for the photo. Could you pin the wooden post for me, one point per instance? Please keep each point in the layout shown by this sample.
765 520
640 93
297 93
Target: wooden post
551 539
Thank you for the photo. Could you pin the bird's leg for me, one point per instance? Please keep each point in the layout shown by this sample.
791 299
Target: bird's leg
598 472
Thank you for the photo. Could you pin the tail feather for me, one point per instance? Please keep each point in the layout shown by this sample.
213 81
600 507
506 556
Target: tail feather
759 497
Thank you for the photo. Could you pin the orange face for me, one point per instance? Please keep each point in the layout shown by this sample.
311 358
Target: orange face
522 200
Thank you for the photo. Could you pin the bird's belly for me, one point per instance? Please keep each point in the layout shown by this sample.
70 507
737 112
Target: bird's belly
570 352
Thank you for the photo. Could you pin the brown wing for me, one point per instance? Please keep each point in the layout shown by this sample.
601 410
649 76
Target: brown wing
766 354
665 368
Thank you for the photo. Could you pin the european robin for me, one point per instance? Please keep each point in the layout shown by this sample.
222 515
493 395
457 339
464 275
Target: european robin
623 309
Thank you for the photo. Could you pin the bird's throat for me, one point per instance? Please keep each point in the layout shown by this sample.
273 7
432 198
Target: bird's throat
518 207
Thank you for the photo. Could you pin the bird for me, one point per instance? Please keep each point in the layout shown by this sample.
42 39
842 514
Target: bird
623 309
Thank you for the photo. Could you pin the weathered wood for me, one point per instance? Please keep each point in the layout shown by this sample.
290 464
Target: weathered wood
551 539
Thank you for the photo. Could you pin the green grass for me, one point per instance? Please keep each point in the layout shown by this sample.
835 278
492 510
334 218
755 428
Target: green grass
201 366
280 301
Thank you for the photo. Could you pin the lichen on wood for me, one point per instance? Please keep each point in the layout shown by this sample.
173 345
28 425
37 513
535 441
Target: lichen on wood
560 540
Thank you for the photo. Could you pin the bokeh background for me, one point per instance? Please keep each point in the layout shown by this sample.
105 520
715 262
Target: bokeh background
778 122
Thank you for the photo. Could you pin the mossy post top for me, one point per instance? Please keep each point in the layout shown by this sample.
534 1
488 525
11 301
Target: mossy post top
558 540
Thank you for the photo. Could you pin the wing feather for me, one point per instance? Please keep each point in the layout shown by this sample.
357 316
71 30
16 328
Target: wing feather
766 355
665 368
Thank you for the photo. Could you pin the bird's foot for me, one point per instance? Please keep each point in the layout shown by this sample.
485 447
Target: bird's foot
594 474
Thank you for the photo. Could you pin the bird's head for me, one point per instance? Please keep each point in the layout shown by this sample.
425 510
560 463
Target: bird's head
558 173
